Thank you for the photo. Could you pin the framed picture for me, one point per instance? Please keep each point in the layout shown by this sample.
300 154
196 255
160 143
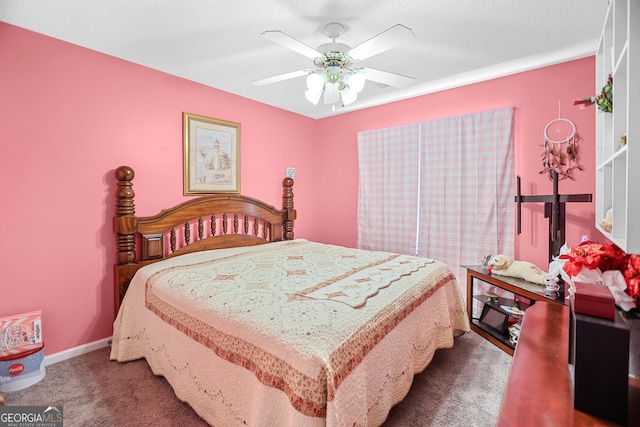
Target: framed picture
211 155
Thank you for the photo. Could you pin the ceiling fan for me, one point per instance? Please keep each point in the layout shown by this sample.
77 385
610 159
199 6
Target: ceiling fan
336 74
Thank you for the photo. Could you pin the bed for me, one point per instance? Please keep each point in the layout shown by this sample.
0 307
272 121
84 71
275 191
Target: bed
251 326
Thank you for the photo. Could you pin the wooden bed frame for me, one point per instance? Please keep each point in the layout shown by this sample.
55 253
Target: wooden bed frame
261 223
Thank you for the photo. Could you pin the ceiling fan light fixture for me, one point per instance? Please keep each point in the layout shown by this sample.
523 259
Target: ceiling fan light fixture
315 82
356 81
349 96
334 75
331 93
313 96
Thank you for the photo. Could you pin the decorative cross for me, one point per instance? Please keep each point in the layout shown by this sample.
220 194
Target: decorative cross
554 209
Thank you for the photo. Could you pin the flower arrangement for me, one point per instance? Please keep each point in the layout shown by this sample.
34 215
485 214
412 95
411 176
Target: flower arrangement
606 264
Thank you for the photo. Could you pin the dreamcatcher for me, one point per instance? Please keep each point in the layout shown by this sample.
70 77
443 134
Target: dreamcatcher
560 152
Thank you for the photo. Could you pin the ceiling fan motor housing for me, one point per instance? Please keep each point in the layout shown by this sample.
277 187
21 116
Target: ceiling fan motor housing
333 47
333 59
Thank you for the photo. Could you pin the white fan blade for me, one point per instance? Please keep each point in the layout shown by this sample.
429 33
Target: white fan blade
281 77
394 36
291 43
387 78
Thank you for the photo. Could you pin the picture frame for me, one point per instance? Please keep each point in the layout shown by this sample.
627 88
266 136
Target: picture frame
211 155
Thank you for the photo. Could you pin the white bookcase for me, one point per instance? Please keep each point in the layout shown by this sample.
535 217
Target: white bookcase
617 165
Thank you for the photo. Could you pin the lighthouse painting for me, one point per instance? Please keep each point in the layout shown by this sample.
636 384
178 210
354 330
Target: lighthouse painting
211 155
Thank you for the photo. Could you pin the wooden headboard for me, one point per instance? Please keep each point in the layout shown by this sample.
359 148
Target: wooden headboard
208 222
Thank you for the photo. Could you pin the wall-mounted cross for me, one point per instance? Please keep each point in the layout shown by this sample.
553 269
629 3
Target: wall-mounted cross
554 209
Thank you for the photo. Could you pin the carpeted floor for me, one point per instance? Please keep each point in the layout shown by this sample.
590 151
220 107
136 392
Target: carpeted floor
462 386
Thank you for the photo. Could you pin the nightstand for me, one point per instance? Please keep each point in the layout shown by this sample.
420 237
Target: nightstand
490 316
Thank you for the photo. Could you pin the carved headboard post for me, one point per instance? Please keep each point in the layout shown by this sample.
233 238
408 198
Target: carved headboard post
287 205
125 223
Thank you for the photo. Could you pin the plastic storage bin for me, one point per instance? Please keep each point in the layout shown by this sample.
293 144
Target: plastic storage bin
21 370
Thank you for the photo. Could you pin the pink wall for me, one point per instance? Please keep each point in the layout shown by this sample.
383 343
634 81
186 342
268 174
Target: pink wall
70 116
534 94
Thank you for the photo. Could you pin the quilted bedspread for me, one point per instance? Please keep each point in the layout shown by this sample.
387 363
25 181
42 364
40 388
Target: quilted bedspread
290 333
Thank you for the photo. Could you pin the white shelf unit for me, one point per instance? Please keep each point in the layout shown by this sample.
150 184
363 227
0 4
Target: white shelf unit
617 165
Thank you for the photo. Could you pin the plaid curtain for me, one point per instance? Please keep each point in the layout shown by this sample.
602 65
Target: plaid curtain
389 162
466 188
444 191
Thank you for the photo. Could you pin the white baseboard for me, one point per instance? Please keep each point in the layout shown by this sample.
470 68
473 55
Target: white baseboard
76 351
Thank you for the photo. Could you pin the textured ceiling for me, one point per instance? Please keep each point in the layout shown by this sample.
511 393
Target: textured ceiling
218 43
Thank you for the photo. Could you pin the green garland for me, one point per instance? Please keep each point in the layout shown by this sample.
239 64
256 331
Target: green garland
604 100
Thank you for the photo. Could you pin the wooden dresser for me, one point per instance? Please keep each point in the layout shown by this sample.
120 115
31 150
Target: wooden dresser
539 391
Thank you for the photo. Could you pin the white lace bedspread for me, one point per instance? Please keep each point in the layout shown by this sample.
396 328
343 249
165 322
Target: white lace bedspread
290 333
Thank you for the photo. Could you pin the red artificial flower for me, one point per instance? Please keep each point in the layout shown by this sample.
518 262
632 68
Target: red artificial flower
631 275
591 255
613 258
586 254
572 266
604 256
